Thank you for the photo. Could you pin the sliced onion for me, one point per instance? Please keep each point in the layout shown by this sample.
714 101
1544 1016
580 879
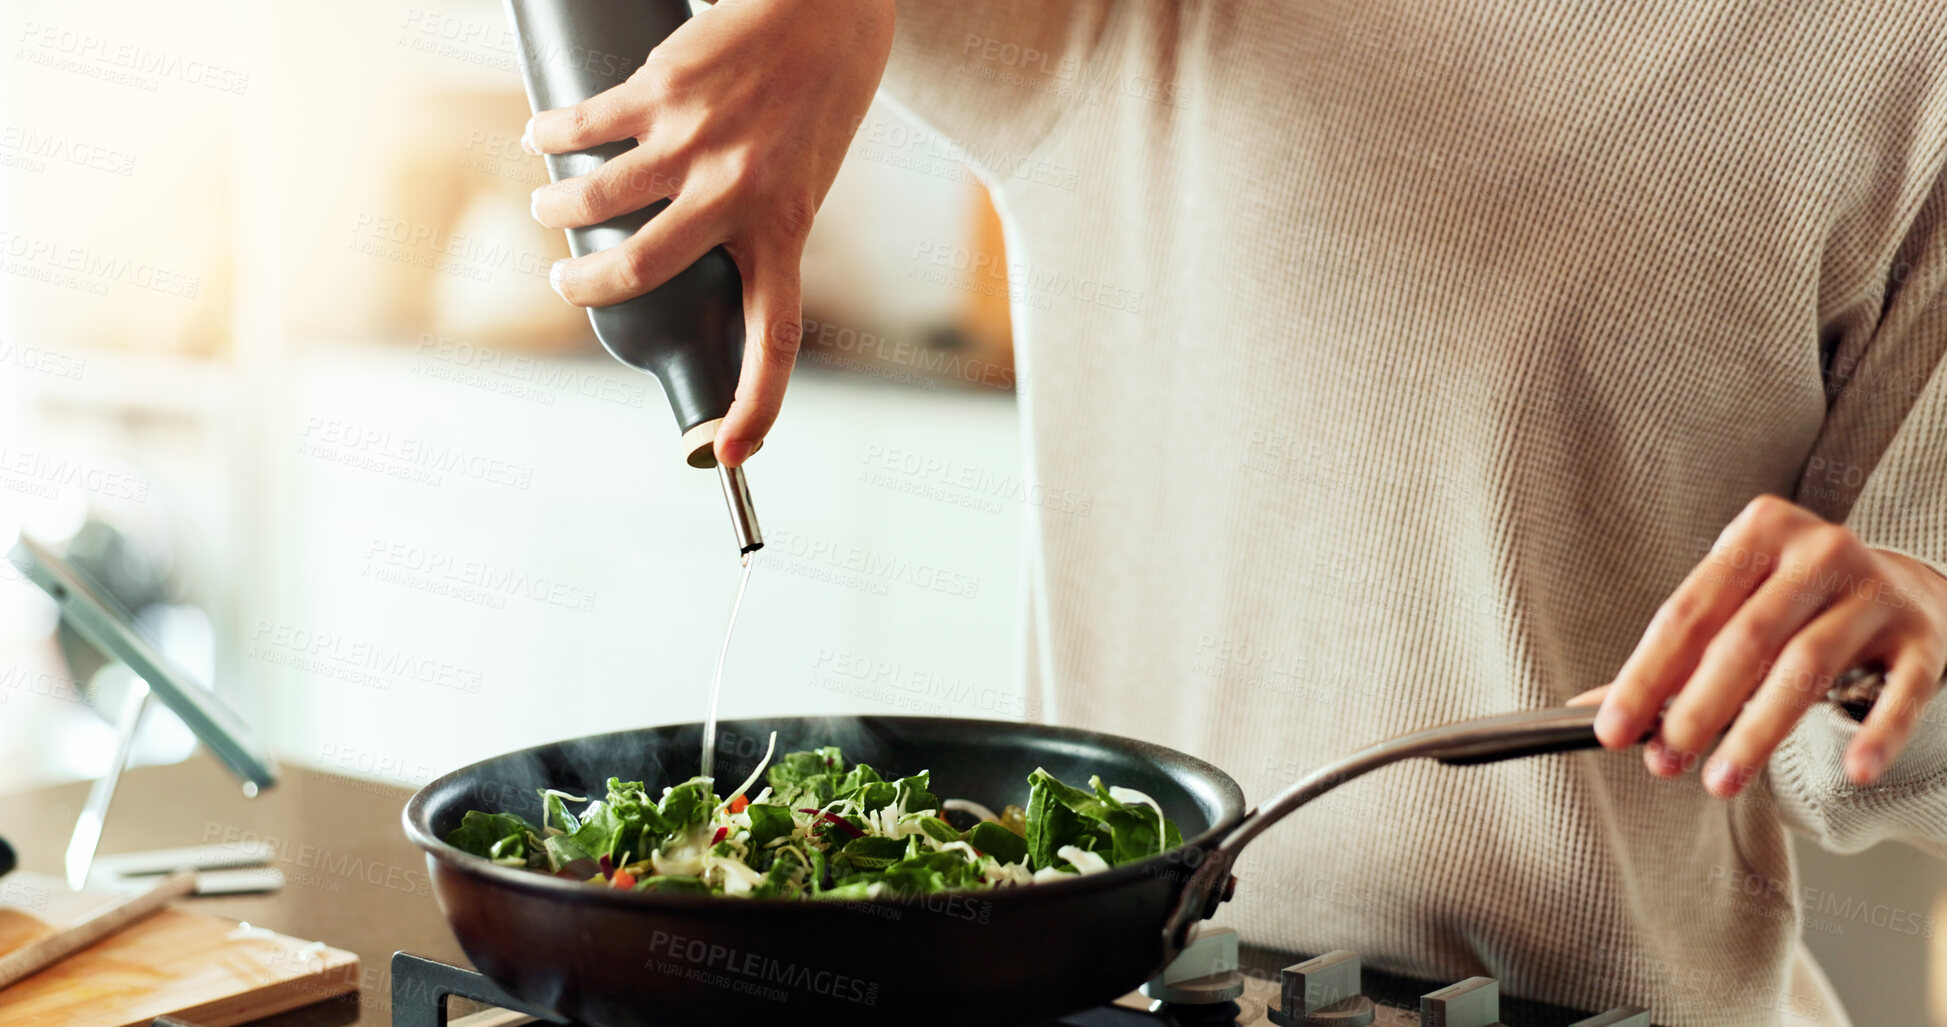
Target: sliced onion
968 806
752 779
1082 860
738 877
973 854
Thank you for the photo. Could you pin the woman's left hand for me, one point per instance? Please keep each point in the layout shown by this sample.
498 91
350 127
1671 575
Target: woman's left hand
1785 602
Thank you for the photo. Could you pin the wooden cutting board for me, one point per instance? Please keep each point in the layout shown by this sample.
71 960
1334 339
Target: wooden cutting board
192 966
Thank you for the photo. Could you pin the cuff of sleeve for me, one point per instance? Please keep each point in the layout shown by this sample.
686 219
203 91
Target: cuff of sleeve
1909 802
1935 564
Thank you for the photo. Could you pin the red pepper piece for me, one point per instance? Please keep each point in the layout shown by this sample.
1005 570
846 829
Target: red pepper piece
721 833
843 824
623 879
739 804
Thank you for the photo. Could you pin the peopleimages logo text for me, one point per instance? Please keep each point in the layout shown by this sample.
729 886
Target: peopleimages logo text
762 968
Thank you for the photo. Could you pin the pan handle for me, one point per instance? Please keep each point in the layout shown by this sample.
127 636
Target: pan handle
1465 743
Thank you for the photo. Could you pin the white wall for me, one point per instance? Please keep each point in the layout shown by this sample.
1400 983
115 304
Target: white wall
629 551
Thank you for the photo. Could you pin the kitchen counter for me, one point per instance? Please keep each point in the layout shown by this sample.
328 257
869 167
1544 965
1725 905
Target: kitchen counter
352 880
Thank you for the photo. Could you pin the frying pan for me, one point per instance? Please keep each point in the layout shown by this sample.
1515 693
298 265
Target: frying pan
612 958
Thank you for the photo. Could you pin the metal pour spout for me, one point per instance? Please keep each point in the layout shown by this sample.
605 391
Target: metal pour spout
743 516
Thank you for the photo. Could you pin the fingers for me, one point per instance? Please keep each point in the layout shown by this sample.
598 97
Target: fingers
1670 649
671 241
1734 661
617 113
1589 698
773 330
1758 633
628 182
1912 677
1835 641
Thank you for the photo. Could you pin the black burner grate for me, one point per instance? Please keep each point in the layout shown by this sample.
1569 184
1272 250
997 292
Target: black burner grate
421 988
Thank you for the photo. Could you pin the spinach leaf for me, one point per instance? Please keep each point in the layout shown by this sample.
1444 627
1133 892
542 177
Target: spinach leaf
675 883
873 853
491 835
601 831
939 830
1085 803
857 778
801 779
913 796
561 851
994 840
1060 814
1134 827
554 813
780 882
857 888
874 793
687 805
1051 824
635 811
924 873
768 822
874 796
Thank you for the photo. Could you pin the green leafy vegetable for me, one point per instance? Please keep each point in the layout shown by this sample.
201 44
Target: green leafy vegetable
822 830
807 778
555 813
998 842
872 853
768 822
674 883
941 831
561 852
493 836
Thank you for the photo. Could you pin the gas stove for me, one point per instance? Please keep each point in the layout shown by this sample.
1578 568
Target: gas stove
1216 982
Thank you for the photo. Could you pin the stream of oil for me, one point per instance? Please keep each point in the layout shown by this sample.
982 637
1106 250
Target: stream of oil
716 682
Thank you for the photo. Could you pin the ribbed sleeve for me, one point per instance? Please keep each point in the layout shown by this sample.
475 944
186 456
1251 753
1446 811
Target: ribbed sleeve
1880 467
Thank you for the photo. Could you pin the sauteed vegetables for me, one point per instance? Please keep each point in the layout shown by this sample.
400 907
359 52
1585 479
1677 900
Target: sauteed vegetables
821 830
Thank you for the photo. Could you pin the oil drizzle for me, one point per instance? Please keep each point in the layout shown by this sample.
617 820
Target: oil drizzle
716 682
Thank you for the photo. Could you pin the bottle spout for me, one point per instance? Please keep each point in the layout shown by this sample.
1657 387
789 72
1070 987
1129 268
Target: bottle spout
743 516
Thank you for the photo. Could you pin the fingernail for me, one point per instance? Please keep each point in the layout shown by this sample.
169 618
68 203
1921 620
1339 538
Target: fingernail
534 205
1723 778
735 451
527 139
1609 723
1663 760
555 275
1872 763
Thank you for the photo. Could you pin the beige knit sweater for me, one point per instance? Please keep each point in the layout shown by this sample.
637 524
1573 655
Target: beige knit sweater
1409 352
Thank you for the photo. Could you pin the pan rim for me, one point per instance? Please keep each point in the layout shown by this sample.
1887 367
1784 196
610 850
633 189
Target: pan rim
1229 795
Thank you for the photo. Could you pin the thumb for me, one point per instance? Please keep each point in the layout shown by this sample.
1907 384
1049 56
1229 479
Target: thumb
773 329
1590 697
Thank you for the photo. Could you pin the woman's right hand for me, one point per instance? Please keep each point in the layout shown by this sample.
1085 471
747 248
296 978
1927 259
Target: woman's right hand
742 117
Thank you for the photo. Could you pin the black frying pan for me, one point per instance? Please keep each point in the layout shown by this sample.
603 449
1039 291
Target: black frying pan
632 959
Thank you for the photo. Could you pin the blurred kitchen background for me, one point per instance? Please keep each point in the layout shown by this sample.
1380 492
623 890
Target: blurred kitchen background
279 361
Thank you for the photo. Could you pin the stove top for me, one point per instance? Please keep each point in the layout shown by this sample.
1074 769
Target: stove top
1216 982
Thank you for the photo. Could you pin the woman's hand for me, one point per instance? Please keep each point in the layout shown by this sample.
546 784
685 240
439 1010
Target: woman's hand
742 117
1784 603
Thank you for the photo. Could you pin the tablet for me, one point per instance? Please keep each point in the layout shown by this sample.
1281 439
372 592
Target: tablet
103 621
